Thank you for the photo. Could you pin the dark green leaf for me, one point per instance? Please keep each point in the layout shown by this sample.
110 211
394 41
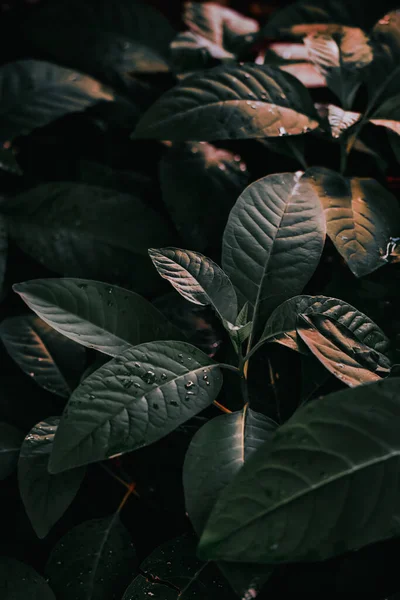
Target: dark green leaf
85 231
235 102
9 163
3 252
93 561
361 216
35 93
200 183
191 52
101 316
11 439
54 362
134 400
292 146
339 350
273 240
19 582
197 278
45 497
327 484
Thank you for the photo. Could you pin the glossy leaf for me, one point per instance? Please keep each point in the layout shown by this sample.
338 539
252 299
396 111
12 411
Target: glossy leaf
340 352
54 362
231 102
273 240
97 315
134 400
11 439
45 497
93 561
86 231
341 120
200 183
335 448
281 326
360 215
197 278
34 93
19 581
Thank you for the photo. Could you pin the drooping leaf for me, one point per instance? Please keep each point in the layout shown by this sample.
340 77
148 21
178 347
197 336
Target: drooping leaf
34 93
360 215
85 231
134 400
281 326
45 497
54 362
197 278
11 439
93 561
200 183
192 52
340 352
19 581
94 314
341 120
273 240
8 162
231 102
314 475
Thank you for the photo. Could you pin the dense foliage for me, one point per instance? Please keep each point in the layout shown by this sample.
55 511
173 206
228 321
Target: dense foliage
236 435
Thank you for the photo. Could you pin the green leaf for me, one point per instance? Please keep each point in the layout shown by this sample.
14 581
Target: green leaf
339 351
86 231
3 252
8 162
281 326
341 120
191 52
231 102
273 240
45 497
200 183
388 114
93 561
94 314
133 401
331 472
34 93
19 581
361 216
53 361
10 444
197 278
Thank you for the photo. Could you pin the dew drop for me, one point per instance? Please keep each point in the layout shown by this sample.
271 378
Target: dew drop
246 76
137 385
189 384
32 374
273 547
242 167
180 356
110 290
282 131
155 406
222 167
92 397
174 403
164 376
149 377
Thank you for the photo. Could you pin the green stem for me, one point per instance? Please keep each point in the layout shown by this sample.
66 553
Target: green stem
229 368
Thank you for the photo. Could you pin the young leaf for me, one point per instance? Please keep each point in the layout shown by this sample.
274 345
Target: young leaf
19 581
197 278
34 93
281 326
97 315
11 439
133 401
331 472
54 362
341 120
339 351
360 215
231 102
200 183
93 561
273 240
45 497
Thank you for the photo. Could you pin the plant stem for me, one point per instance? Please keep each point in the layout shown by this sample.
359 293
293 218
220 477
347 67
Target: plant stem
114 476
196 575
229 368
222 408
130 491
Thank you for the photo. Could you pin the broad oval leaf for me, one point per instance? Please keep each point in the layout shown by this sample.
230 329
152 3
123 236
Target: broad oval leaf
361 216
231 102
54 362
86 231
34 93
281 326
93 561
11 440
133 401
273 240
19 581
94 314
340 352
45 497
197 278
314 476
